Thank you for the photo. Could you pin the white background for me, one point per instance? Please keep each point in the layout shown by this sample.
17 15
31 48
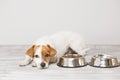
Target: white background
23 21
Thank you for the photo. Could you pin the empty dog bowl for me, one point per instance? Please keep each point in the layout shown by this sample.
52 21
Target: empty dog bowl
103 60
71 61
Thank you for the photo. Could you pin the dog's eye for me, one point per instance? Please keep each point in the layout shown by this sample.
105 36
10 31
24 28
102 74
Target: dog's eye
47 55
36 56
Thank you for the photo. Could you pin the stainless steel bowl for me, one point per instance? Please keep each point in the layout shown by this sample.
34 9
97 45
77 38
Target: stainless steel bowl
103 60
71 61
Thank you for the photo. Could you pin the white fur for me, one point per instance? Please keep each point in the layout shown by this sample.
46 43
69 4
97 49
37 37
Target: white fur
39 60
60 42
27 61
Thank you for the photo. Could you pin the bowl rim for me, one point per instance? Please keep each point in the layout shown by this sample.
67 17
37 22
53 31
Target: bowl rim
72 56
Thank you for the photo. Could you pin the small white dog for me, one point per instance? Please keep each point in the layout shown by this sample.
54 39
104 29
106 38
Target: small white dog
46 48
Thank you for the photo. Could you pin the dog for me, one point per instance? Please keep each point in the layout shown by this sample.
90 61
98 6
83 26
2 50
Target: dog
47 48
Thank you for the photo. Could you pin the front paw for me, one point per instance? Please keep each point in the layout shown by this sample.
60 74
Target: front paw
23 63
34 64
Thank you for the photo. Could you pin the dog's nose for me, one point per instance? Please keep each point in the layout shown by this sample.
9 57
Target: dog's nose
42 64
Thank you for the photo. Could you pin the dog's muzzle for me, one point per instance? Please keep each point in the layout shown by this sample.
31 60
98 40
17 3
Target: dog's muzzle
42 64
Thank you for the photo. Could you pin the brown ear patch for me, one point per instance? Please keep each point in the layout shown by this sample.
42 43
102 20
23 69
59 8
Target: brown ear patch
52 51
48 50
30 52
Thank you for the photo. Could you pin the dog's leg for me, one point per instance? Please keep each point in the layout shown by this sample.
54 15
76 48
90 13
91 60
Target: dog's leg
27 61
70 51
34 64
78 48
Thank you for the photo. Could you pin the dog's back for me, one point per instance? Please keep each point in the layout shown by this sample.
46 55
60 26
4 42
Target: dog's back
61 41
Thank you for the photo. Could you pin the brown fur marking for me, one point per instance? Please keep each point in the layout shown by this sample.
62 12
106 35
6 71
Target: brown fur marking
48 50
30 52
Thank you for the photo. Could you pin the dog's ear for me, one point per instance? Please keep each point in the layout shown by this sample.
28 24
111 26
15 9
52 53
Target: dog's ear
30 52
52 51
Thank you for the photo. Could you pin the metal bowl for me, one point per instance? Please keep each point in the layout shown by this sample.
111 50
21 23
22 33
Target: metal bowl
72 61
103 60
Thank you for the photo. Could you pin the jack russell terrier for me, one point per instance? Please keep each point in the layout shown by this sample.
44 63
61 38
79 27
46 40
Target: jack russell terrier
47 48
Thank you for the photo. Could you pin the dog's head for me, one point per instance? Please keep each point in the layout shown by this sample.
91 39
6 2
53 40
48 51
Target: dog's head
41 54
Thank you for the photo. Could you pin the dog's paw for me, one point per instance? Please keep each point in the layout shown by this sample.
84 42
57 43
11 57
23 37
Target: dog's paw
23 63
34 64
